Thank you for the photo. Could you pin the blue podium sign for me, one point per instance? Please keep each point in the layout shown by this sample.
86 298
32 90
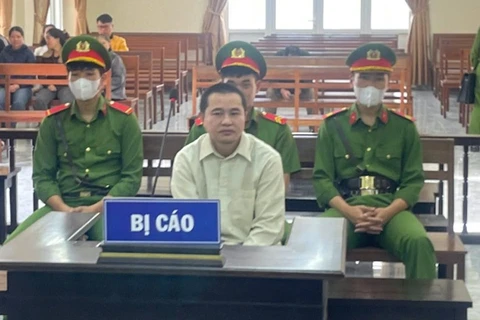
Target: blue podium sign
161 221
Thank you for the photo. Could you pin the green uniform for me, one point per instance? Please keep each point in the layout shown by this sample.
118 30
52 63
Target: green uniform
107 151
474 126
390 148
269 128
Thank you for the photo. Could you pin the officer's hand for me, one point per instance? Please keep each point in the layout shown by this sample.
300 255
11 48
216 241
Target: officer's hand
52 88
81 209
373 222
14 87
285 94
357 214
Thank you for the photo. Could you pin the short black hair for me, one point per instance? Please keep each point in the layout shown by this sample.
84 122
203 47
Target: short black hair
237 71
17 29
105 18
221 88
80 65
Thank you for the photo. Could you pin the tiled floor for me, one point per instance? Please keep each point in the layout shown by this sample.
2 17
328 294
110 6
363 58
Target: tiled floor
429 121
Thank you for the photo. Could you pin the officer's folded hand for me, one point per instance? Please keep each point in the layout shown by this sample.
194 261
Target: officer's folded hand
83 209
372 222
356 214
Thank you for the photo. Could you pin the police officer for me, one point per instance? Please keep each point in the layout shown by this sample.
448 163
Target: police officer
89 149
242 65
368 167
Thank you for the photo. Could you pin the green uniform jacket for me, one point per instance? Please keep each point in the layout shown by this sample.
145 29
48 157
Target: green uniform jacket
391 148
269 128
108 151
474 52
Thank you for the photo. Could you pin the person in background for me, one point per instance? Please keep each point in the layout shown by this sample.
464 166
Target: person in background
285 93
44 96
3 43
16 52
474 125
105 27
38 52
240 170
119 73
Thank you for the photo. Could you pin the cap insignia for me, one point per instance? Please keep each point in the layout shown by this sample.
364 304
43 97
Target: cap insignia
238 53
373 55
83 46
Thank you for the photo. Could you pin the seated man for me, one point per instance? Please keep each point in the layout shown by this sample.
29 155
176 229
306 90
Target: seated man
287 93
369 169
243 172
105 27
89 149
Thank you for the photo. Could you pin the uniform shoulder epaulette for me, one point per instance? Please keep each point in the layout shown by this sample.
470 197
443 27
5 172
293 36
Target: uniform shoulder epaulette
274 118
121 107
328 115
402 115
57 109
198 121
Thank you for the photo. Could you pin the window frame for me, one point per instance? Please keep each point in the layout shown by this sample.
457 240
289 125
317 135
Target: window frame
365 22
55 14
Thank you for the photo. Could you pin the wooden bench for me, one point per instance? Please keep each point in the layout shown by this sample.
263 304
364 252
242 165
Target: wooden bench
398 299
198 45
38 73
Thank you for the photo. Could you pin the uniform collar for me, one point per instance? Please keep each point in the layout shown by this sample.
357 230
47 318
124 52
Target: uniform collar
354 115
101 107
252 118
243 149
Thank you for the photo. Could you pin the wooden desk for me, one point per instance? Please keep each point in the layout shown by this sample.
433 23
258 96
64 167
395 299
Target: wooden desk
52 276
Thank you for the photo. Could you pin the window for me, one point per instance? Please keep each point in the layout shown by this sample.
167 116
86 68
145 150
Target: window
55 14
247 14
390 15
294 15
319 16
342 14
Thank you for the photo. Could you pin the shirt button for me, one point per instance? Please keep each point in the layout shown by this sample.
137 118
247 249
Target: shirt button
109 152
87 170
65 154
369 130
388 156
369 149
88 149
347 156
88 126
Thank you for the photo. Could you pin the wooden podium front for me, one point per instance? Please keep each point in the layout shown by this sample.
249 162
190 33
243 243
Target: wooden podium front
51 275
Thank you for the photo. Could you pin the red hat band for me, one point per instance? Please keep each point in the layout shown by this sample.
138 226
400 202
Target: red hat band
370 65
88 56
241 62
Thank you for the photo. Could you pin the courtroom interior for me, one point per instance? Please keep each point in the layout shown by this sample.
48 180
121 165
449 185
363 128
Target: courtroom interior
358 200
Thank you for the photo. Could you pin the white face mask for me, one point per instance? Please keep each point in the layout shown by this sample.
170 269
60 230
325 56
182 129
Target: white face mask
84 89
369 96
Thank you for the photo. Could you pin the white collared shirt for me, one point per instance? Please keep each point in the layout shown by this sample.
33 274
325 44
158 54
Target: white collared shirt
249 184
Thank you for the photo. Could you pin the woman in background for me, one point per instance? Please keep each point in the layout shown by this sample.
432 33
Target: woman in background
43 43
119 73
16 52
55 40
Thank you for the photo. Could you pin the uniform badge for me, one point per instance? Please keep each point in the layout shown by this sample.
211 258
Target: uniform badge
238 53
83 46
373 55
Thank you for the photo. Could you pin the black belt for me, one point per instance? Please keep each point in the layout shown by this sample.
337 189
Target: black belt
367 185
86 194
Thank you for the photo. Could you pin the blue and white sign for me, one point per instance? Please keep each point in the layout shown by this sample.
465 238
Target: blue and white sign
161 221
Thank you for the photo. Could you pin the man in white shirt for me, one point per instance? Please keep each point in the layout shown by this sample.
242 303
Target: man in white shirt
243 172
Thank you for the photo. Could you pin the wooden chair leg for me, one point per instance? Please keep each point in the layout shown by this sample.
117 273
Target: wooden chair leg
461 270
